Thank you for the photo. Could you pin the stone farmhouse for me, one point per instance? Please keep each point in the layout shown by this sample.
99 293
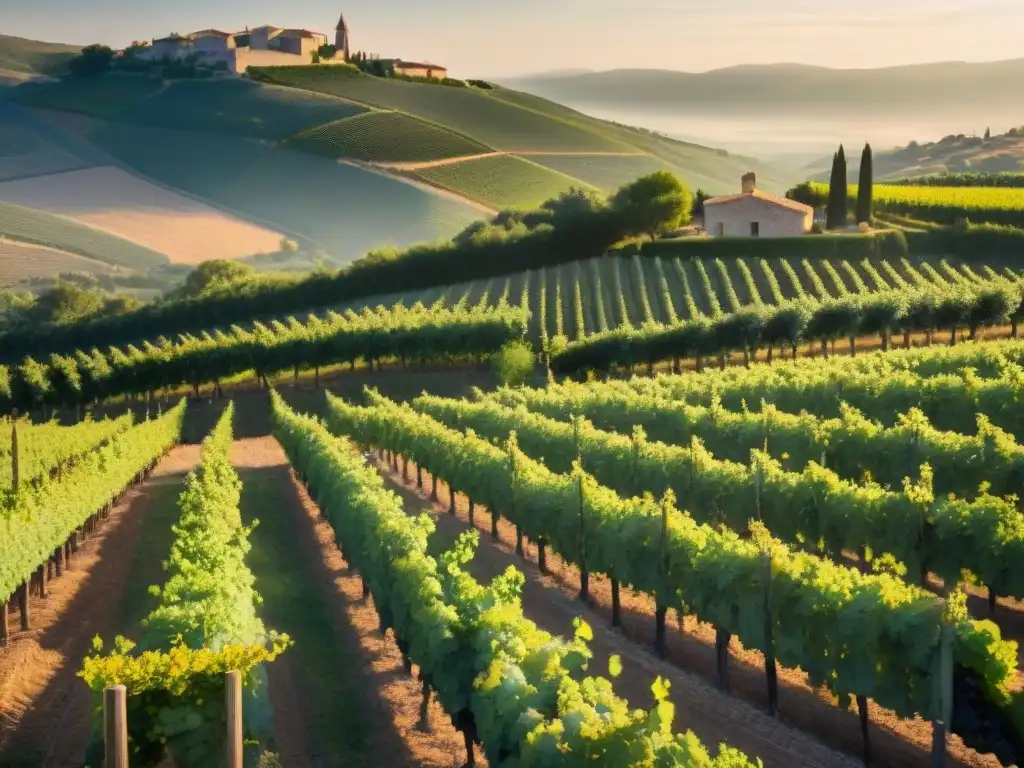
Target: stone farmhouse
262 46
752 213
269 46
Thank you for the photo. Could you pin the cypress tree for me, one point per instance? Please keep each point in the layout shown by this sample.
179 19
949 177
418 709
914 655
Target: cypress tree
864 186
832 206
841 195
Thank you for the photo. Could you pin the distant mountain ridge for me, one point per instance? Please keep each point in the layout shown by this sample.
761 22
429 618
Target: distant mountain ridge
33 57
938 86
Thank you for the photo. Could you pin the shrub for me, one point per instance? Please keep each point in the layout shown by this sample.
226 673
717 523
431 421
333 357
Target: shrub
513 363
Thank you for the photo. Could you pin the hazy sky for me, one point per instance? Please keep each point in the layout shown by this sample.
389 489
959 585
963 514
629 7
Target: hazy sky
496 37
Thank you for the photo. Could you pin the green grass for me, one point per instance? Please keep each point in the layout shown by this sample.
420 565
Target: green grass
202 163
500 182
239 107
681 284
604 172
346 209
469 111
293 602
102 96
34 226
386 136
18 54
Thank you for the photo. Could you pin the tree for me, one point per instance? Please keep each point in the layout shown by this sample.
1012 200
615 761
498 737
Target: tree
93 60
836 213
327 51
655 204
66 303
513 363
865 184
988 134
215 274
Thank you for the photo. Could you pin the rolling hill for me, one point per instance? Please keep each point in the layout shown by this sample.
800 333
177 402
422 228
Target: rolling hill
21 58
937 88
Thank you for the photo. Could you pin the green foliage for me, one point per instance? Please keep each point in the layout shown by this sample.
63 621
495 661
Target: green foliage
100 96
419 333
828 620
386 137
836 212
909 310
39 517
885 244
963 179
204 625
518 689
864 186
93 60
513 363
655 204
215 275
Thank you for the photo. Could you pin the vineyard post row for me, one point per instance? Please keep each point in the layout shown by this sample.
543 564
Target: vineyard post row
205 646
43 524
528 705
812 625
924 532
851 444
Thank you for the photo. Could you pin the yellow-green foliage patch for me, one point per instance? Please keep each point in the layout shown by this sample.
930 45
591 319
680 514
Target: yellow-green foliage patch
386 136
500 182
607 172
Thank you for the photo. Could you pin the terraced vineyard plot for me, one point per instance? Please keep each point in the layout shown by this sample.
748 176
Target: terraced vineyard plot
607 172
26 151
128 206
500 182
102 96
469 111
40 227
386 136
346 209
238 106
20 261
202 163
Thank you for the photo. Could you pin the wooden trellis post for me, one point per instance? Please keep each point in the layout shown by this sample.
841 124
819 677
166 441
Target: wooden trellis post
115 727
233 712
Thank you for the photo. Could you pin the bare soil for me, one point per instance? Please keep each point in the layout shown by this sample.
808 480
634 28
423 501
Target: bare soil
345 700
44 706
809 718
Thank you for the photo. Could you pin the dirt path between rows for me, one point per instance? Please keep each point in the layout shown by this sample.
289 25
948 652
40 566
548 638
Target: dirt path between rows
340 696
739 719
44 706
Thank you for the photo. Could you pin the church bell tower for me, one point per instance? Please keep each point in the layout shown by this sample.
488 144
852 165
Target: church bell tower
341 38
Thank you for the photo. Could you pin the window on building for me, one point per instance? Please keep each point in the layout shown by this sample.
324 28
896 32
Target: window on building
755 228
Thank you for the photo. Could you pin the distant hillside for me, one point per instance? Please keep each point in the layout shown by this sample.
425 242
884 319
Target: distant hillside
952 154
32 57
778 88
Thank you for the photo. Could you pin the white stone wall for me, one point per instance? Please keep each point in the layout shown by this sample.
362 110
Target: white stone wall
733 219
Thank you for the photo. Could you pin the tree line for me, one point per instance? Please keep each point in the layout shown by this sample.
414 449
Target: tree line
575 225
787 325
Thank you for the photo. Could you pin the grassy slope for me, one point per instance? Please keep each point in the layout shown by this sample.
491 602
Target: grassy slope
668 285
502 181
33 57
380 136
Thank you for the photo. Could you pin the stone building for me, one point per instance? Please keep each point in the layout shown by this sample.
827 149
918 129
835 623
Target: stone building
752 213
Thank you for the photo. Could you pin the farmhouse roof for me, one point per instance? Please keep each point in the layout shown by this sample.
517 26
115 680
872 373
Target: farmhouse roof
783 202
210 33
300 33
271 27
399 64
175 38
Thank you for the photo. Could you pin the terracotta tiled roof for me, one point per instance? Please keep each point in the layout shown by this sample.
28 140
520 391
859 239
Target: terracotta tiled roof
300 33
785 202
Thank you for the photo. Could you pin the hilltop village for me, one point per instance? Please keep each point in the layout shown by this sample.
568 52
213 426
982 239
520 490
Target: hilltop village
269 46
